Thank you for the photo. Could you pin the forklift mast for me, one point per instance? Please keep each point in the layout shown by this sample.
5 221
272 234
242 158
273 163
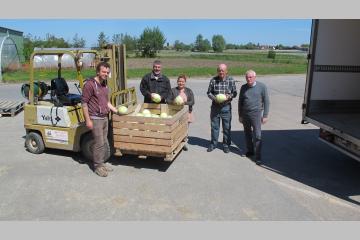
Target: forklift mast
115 56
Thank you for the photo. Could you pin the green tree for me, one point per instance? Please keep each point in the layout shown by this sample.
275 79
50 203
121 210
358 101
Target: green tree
201 44
116 38
129 41
198 42
206 46
103 40
78 42
28 46
126 39
52 41
180 46
151 41
218 43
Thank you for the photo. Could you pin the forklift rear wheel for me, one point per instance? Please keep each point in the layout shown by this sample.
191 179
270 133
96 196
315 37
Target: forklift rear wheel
34 143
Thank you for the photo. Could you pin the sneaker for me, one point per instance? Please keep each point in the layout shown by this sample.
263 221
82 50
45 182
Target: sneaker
185 147
101 171
107 167
226 149
210 148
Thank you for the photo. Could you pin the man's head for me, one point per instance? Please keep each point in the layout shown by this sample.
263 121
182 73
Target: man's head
250 76
222 71
103 71
157 67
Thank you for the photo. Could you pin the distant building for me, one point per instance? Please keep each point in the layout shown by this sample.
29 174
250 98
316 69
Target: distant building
11 49
17 37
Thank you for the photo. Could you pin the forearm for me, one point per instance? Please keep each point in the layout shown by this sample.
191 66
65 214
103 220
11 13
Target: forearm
211 96
112 108
86 112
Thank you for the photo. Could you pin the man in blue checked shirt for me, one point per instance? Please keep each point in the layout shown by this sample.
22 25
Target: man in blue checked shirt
221 84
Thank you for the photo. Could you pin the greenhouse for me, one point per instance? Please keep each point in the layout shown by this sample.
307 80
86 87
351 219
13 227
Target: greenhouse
10 50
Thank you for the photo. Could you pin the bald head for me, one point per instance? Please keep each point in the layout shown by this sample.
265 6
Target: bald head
222 70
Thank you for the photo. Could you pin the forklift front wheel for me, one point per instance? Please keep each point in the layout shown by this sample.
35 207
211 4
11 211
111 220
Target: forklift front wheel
34 143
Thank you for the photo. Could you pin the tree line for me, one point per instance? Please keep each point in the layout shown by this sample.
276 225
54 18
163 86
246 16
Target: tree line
148 44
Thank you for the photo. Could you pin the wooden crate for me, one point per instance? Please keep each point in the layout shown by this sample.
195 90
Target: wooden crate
149 136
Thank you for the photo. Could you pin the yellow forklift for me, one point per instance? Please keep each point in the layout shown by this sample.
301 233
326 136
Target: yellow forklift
53 117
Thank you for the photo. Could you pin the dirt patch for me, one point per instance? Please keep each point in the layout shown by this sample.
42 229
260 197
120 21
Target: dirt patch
133 63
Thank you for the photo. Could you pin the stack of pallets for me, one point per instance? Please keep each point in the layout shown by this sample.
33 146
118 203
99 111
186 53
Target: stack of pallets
10 108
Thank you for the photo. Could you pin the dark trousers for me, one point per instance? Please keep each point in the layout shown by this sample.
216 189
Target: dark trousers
222 113
252 130
100 132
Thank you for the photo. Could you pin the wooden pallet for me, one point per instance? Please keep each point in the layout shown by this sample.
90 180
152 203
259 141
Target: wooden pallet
147 136
10 108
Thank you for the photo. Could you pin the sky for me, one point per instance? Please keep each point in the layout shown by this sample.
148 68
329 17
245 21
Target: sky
238 31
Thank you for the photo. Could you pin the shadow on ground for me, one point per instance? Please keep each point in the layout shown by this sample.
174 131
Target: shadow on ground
136 162
126 160
204 143
301 156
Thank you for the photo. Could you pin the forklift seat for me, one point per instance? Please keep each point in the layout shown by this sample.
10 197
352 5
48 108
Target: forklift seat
60 89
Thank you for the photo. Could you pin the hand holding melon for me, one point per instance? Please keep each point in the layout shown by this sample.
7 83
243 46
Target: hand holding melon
179 100
220 98
155 97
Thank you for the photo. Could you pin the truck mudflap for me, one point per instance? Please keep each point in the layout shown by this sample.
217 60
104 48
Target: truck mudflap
340 144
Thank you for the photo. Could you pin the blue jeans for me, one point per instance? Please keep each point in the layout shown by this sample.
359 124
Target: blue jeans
224 113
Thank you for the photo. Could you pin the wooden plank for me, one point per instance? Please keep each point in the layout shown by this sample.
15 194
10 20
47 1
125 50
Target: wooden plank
178 141
6 104
182 119
164 108
141 119
171 156
142 140
11 108
139 126
180 132
138 133
143 153
141 147
180 128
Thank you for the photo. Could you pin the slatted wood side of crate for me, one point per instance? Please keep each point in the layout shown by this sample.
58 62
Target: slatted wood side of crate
10 108
159 137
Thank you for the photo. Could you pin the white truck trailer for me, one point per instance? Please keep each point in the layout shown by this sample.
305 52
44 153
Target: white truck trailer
332 91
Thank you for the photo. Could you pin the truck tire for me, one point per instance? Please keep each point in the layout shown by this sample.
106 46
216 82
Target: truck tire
34 143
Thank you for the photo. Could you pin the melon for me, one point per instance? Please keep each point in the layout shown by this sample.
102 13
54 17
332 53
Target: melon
179 100
156 98
220 98
163 115
122 110
146 111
